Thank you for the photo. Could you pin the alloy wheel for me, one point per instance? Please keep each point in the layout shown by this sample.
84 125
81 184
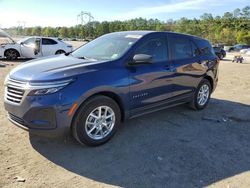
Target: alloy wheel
100 122
203 95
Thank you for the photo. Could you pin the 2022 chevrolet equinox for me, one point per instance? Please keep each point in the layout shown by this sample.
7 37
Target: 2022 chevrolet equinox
108 80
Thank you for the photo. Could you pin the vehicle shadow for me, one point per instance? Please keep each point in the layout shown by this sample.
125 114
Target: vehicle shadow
16 60
226 59
177 147
5 62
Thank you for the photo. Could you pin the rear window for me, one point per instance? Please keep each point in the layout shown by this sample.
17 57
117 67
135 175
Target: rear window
46 41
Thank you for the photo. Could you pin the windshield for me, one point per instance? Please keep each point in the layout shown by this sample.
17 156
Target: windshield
107 47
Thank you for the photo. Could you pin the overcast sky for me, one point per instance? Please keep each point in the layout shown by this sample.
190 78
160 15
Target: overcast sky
64 12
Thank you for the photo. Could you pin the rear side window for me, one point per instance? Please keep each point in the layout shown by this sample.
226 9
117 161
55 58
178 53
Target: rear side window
46 41
195 49
156 47
181 47
205 47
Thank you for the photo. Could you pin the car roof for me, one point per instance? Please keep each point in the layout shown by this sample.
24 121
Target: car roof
54 38
146 32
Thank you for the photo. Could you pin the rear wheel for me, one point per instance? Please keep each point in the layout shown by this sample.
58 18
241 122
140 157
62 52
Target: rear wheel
202 95
11 54
60 52
97 121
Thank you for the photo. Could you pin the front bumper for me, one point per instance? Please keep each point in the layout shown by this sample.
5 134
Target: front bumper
41 114
1 52
37 118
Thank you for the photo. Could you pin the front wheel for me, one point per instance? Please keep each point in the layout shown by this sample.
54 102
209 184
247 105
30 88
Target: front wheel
11 54
202 95
97 121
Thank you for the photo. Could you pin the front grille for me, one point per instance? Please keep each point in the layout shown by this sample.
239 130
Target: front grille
14 91
14 95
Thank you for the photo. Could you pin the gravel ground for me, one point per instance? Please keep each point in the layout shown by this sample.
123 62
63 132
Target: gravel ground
176 147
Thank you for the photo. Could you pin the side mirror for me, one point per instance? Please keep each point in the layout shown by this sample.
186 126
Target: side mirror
142 59
22 43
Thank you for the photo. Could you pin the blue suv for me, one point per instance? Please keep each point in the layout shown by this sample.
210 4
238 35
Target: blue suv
110 79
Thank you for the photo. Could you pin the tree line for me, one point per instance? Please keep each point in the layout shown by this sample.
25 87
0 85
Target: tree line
229 29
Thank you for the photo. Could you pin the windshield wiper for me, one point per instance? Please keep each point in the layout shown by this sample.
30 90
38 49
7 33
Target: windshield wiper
68 53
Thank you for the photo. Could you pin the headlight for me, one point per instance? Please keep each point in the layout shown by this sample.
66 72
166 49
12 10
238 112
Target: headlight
45 88
45 91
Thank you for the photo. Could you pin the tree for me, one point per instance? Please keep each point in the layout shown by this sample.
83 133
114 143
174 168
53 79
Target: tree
160 27
36 31
228 36
230 28
246 12
63 32
49 32
71 32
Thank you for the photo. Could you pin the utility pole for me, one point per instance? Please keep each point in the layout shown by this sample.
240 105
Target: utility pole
84 17
21 24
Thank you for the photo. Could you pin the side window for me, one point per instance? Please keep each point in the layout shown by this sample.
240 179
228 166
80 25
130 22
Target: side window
180 47
195 49
46 41
156 47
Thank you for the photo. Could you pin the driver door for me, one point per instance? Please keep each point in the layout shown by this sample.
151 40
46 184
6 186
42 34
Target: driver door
31 48
151 84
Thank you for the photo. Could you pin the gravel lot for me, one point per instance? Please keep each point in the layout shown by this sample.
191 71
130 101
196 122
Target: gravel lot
176 147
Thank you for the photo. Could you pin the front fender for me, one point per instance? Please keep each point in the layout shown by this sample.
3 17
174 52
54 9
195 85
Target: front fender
105 89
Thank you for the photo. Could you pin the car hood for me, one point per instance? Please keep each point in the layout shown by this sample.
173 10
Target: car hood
4 34
52 68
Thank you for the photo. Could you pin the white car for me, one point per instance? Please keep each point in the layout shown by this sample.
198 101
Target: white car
243 51
248 52
31 47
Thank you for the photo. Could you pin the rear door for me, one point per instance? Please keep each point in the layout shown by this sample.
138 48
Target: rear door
187 64
49 46
150 84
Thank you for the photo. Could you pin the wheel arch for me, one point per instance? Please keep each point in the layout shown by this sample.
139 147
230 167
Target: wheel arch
116 98
210 79
110 94
60 50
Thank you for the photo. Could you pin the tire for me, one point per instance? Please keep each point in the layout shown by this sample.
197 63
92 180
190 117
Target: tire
60 52
91 128
221 56
197 103
11 54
